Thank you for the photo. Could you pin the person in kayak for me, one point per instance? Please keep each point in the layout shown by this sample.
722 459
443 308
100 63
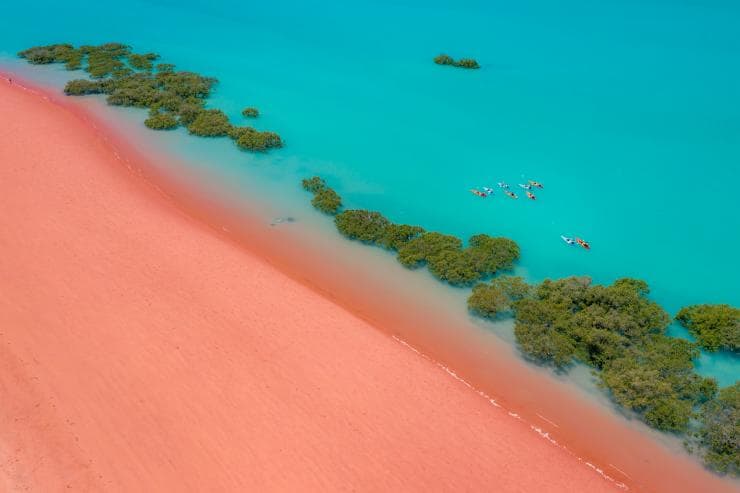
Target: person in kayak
569 241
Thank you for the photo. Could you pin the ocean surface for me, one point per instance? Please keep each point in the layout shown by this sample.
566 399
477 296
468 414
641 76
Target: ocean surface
628 112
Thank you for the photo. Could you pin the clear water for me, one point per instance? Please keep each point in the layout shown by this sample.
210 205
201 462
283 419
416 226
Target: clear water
627 111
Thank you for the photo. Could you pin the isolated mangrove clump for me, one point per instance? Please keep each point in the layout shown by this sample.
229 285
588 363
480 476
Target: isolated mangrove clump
327 201
444 60
174 98
468 63
250 112
210 123
313 184
254 140
714 326
324 199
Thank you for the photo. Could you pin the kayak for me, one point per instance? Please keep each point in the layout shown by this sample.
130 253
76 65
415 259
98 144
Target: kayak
536 184
511 194
503 184
583 243
525 187
569 241
488 190
478 193
531 196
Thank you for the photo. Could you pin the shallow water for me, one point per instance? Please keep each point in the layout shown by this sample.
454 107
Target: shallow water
628 112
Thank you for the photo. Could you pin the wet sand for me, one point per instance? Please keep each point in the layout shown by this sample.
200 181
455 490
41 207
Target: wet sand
139 350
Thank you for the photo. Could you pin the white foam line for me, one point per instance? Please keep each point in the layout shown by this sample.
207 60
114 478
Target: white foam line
449 371
536 429
551 422
544 435
618 469
605 475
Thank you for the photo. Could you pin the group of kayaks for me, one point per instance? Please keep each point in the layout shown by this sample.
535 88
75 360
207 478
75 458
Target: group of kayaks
529 186
486 191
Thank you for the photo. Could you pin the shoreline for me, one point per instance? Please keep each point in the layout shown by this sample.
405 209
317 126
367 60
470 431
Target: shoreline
402 322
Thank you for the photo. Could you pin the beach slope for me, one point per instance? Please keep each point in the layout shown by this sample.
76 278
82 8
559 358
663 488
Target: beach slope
139 350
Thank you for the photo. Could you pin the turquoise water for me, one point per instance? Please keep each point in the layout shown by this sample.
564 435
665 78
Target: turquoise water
628 112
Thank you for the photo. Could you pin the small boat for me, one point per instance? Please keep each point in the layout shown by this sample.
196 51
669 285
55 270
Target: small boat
525 187
531 196
536 184
503 184
583 243
511 194
478 193
569 241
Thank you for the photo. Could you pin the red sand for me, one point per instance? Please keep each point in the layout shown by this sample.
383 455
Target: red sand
140 351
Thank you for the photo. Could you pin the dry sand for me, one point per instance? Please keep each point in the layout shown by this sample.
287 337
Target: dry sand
139 351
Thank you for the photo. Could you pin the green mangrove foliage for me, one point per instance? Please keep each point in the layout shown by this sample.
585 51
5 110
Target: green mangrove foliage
462 63
494 298
396 236
174 98
616 330
327 201
361 225
443 255
161 121
252 140
619 332
324 199
714 326
313 184
447 260
373 228
719 431
83 87
142 62
657 380
58 53
210 123
250 112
